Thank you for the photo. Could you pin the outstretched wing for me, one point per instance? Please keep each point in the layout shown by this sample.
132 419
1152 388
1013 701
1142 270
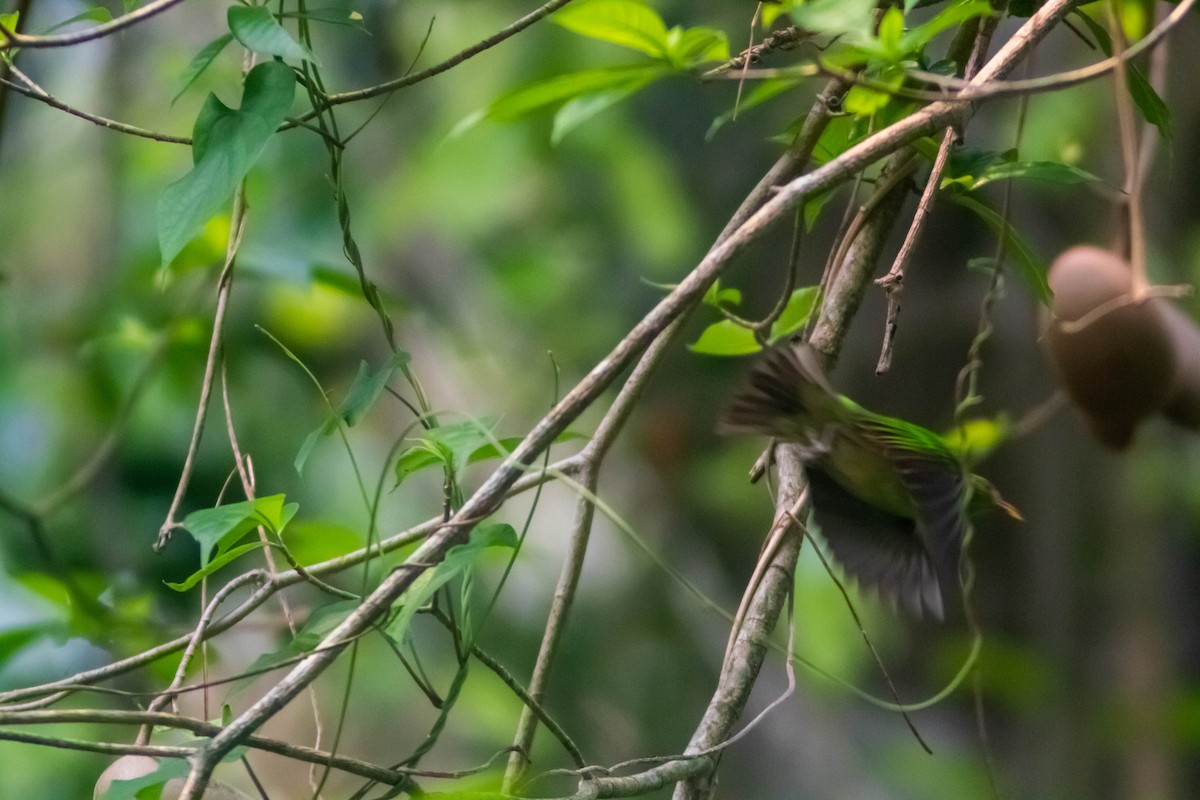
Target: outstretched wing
911 561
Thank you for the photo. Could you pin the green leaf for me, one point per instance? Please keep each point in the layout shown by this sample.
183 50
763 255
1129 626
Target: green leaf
952 16
726 338
891 29
320 622
225 557
449 445
796 313
507 445
561 88
314 542
366 388
627 23
270 88
761 93
258 30
687 48
1152 107
418 457
14 640
865 101
226 144
455 446
9 21
217 529
579 110
200 62
850 19
458 560
1046 171
719 296
1029 267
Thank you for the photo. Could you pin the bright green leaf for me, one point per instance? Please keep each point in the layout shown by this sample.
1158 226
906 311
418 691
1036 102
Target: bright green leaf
720 296
953 15
726 338
796 313
561 88
200 62
219 528
1029 267
866 101
697 45
258 30
314 542
850 19
891 29
225 557
627 23
9 21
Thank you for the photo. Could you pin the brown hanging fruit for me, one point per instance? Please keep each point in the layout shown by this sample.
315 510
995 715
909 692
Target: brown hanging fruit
1118 366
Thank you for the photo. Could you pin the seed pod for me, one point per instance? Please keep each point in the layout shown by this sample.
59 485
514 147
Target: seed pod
1118 365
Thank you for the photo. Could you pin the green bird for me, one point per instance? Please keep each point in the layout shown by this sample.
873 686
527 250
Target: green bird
891 499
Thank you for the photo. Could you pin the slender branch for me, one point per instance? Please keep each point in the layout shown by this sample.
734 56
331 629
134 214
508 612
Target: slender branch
23 9
198 636
454 60
36 92
893 281
10 39
965 90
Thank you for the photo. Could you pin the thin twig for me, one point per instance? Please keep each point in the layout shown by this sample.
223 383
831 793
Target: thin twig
91 34
893 281
224 285
456 59
36 92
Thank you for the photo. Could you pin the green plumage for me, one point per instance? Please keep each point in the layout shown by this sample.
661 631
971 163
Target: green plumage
890 498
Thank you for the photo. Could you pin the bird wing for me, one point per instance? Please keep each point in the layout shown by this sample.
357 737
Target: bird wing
881 551
911 560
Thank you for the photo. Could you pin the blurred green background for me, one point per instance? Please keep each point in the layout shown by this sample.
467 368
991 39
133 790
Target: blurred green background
503 259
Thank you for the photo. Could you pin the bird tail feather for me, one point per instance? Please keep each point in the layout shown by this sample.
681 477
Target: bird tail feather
786 396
